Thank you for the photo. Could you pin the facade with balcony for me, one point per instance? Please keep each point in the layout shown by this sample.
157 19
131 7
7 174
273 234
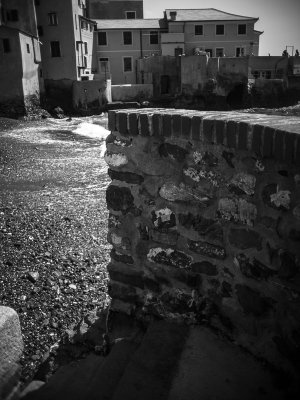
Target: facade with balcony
66 36
209 30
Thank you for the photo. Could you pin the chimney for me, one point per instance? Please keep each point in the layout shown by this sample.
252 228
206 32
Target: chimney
173 15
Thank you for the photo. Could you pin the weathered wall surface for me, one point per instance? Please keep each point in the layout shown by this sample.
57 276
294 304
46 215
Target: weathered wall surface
91 95
132 92
114 9
205 223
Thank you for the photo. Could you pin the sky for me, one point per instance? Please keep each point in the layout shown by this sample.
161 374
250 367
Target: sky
279 19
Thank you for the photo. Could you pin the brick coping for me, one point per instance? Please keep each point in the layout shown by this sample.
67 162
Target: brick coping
268 136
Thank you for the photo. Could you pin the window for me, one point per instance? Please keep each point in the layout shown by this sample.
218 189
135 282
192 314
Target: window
127 38
130 14
102 39
242 29
153 37
55 49
84 61
84 25
220 29
198 29
40 30
28 48
53 19
266 74
240 51
219 52
6 46
210 52
127 64
75 19
104 65
85 48
12 15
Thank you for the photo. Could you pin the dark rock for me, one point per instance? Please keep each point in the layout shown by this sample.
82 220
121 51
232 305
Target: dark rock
226 289
128 277
207 249
288 265
171 150
144 232
288 349
127 177
58 112
269 222
208 159
228 158
170 257
205 227
119 198
123 258
113 139
245 239
169 238
294 235
163 220
152 285
254 269
251 301
204 267
278 199
123 292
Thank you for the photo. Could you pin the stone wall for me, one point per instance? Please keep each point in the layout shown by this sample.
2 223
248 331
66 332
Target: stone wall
129 92
205 223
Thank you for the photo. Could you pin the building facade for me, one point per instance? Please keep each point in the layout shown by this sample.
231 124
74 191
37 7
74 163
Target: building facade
209 30
66 36
120 43
115 9
19 57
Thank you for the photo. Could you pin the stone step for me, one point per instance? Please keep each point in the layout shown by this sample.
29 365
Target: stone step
95 377
150 371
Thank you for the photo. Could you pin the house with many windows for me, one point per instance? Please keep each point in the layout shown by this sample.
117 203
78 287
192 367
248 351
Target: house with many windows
66 36
218 33
120 43
19 57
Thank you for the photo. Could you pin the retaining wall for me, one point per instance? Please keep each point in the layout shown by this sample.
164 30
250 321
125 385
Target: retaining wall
205 223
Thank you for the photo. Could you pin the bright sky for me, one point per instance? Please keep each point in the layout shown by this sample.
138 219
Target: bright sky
279 19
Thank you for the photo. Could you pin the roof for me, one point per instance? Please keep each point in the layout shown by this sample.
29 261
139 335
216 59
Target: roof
205 14
130 23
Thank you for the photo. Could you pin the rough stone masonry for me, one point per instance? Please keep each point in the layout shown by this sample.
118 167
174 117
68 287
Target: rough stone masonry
205 223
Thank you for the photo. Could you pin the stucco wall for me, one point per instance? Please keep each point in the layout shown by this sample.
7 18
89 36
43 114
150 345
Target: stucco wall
114 9
209 40
132 92
205 223
91 95
115 51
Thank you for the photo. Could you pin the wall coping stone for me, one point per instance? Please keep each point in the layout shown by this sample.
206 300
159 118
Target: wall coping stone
11 347
269 136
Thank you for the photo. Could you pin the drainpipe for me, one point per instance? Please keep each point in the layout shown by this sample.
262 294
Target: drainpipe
141 55
141 43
